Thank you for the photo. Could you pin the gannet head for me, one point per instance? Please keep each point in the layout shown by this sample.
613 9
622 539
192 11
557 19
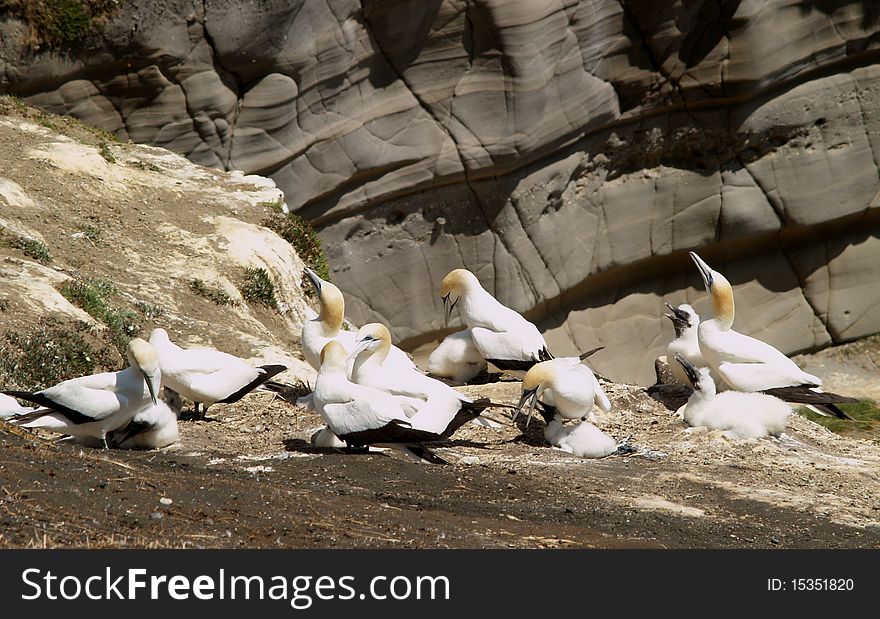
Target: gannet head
159 336
719 290
332 302
539 377
333 357
142 355
374 337
699 377
453 286
683 317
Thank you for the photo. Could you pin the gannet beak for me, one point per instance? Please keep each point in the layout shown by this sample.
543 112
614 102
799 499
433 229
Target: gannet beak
361 346
590 353
448 306
152 381
679 319
689 369
531 394
313 277
704 269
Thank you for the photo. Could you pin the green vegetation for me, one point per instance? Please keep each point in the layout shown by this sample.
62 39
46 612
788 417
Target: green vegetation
865 418
274 205
48 353
211 293
302 236
257 287
106 153
148 310
93 297
59 23
92 233
31 247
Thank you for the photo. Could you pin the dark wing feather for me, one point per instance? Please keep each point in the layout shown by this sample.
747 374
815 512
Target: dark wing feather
511 364
118 437
75 417
268 372
803 394
395 431
426 454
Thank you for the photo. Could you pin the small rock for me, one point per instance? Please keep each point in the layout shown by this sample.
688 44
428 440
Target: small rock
165 501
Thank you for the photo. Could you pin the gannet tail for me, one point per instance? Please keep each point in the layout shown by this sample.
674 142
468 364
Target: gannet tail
823 401
268 371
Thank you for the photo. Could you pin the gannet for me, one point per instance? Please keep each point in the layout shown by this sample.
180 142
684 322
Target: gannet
363 416
456 358
92 406
430 404
327 326
564 387
9 407
685 321
207 376
503 337
748 364
151 428
738 414
583 439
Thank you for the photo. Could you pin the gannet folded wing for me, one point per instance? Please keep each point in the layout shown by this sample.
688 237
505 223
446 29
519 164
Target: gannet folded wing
507 351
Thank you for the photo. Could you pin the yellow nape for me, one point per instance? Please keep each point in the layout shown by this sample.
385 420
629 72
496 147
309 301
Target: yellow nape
456 281
722 300
333 354
332 309
539 374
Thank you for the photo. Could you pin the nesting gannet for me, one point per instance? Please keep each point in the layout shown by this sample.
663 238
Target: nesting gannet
363 416
433 405
748 364
327 326
9 407
503 337
151 428
207 376
583 439
456 358
564 387
92 406
738 414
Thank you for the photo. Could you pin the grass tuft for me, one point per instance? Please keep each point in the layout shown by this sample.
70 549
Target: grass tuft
257 287
60 23
93 297
211 293
302 236
865 418
31 247
106 153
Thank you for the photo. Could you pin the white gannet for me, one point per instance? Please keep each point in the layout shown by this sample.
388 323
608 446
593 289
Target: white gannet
92 406
430 404
151 428
748 364
685 321
738 414
456 358
363 416
207 376
503 337
583 439
564 387
9 407
327 326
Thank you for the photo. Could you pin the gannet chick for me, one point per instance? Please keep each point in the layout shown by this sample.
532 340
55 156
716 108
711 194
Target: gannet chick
748 364
738 414
152 428
583 439
435 406
363 416
503 337
207 376
685 321
9 407
325 439
457 358
564 387
92 406
327 326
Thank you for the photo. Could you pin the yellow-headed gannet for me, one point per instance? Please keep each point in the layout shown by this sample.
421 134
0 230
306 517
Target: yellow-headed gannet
747 364
738 414
564 387
151 428
456 358
363 416
92 406
207 376
503 337
438 407
327 326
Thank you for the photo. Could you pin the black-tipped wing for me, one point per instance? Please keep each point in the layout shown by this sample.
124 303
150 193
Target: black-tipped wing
395 431
269 371
75 417
803 394
511 364
544 354
424 453
118 437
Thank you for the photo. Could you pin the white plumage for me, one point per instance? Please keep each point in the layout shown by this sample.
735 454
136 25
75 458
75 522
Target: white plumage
92 406
457 358
10 407
207 376
563 386
152 428
583 439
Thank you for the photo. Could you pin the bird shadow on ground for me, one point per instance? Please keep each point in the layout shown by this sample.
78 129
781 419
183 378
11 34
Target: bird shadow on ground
671 396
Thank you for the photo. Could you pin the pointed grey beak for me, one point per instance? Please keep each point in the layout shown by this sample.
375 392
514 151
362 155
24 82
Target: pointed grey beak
152 385
689 369
313 277
526 396
704 269
448 306
680 320
361 346
590 353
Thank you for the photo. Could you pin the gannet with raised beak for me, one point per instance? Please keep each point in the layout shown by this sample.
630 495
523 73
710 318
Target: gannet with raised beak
438 407
748 364
152 428
564 387
686 322
327 326
737 414
92 406
456 358
207 376
363 416
503 337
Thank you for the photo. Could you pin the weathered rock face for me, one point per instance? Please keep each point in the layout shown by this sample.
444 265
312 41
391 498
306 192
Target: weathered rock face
568 152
